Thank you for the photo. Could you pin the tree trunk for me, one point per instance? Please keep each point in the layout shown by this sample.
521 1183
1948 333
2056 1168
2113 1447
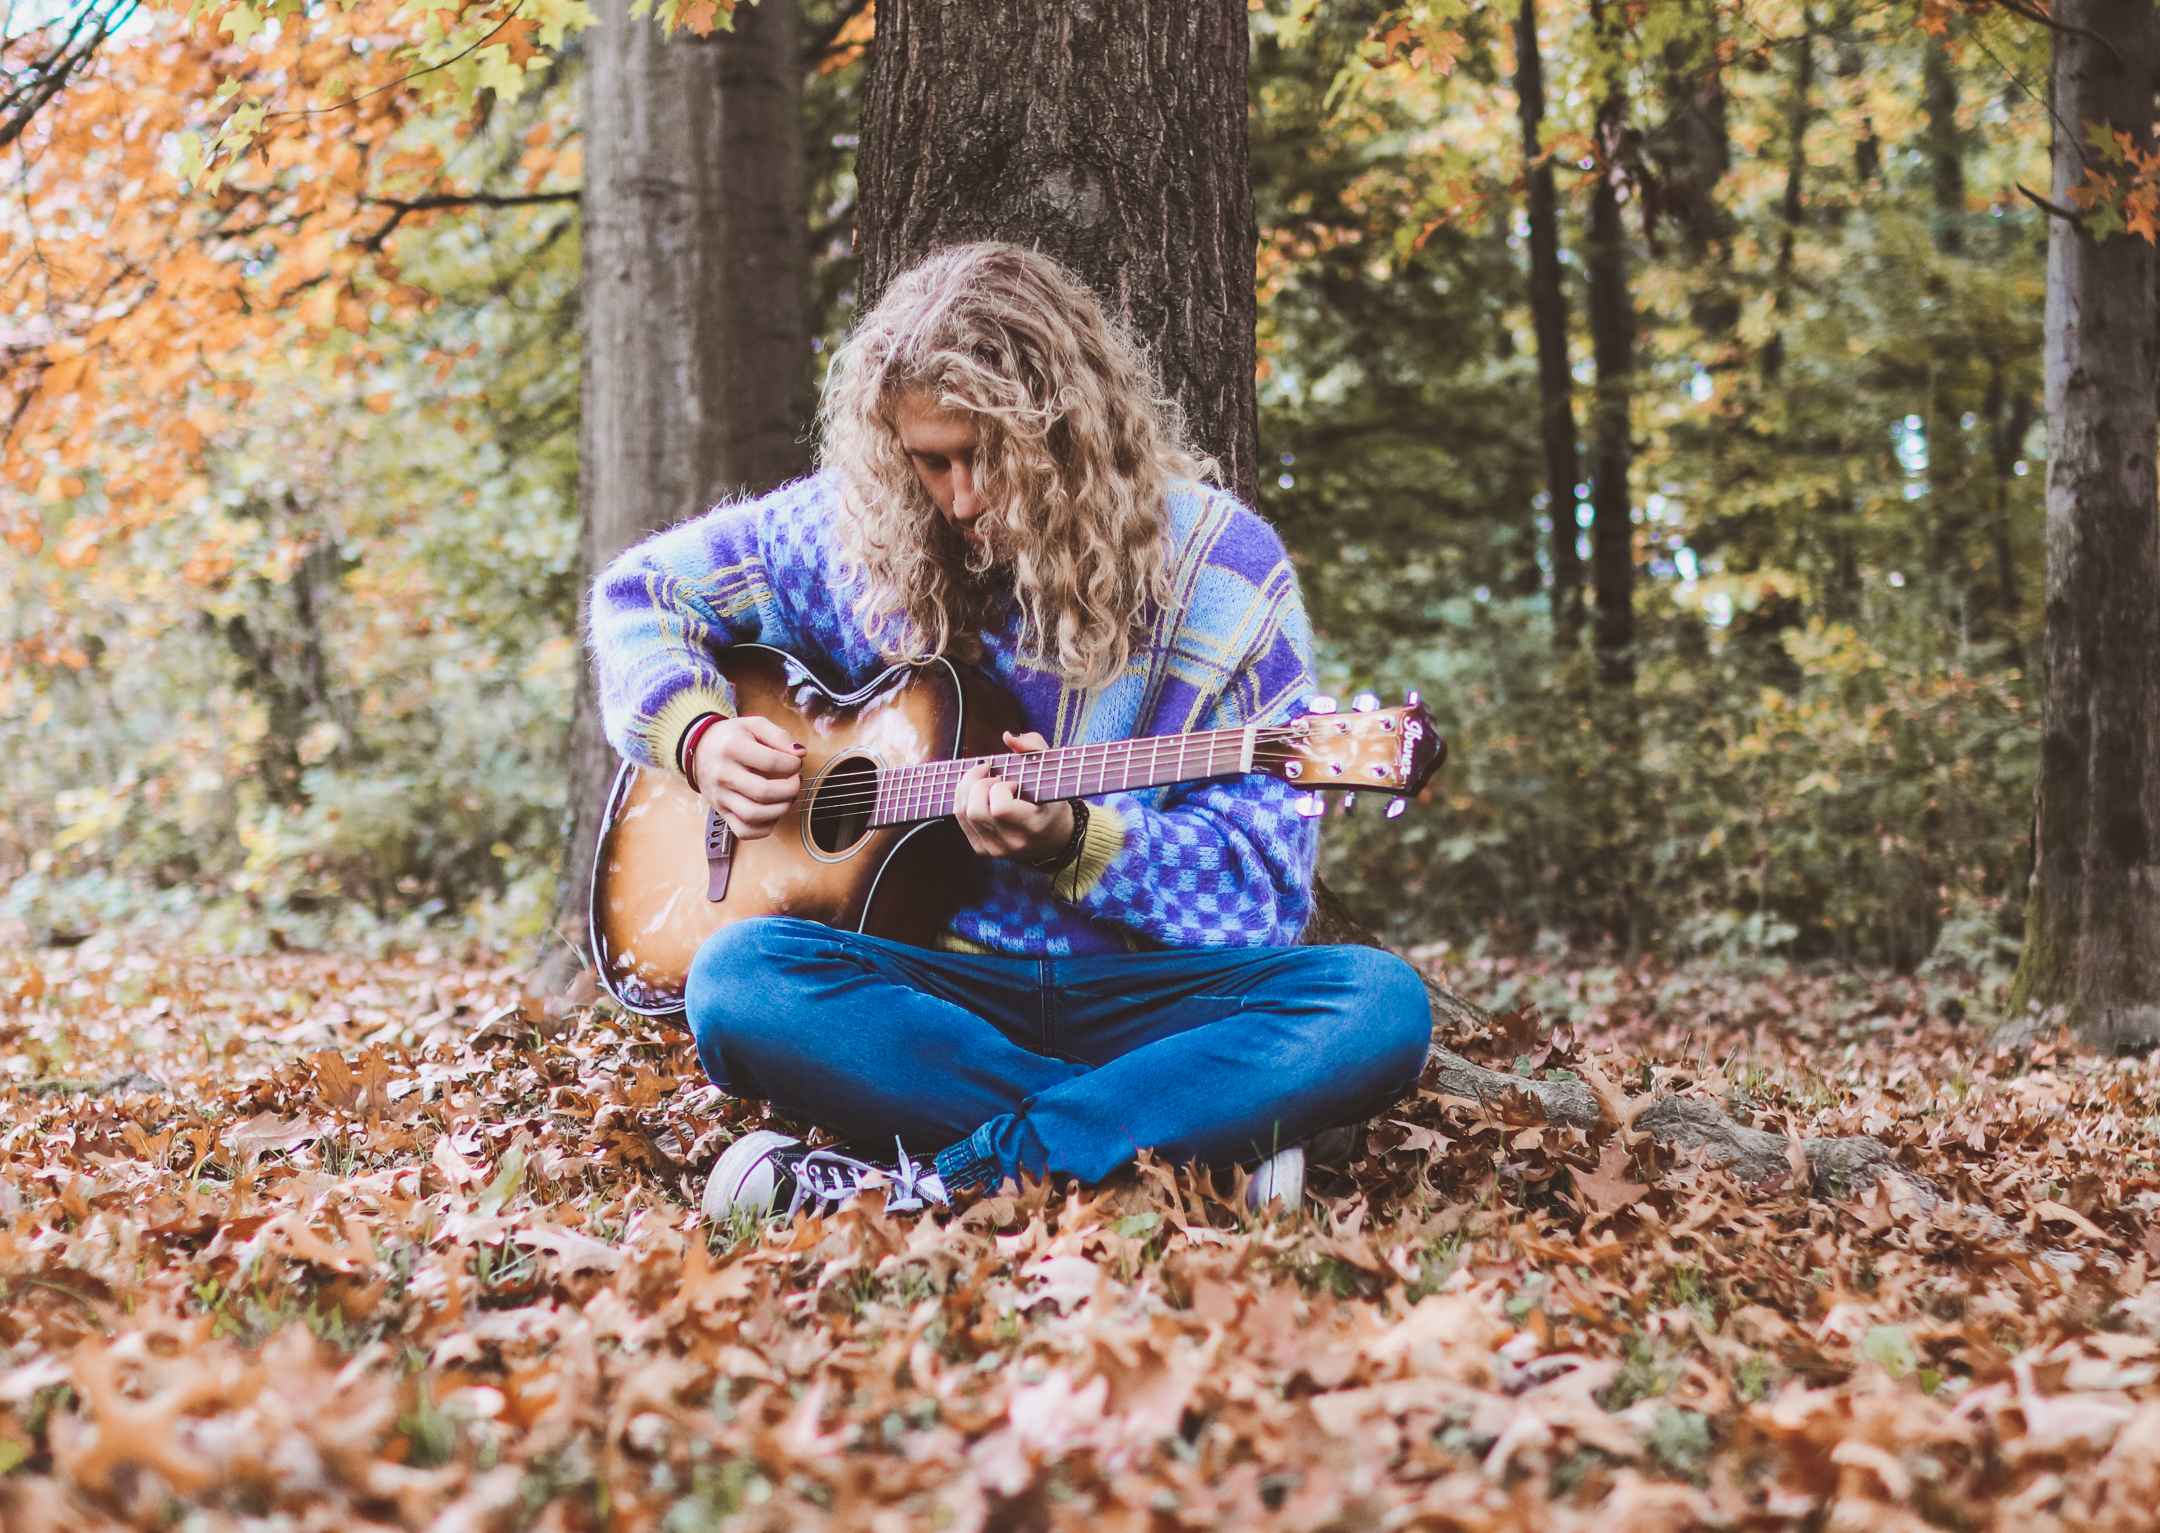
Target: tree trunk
1548 313
2092 924
1109 135
1612 442
1792 208
2009 417
696 329
1945 142
1799 112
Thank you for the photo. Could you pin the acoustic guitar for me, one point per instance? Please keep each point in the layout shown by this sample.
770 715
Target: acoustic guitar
869 843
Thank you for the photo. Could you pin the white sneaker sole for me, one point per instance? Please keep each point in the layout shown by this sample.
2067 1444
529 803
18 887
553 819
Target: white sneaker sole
745 1176
1281 1175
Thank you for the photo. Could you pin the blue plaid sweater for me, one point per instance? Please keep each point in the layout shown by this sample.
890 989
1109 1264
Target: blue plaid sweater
1225 863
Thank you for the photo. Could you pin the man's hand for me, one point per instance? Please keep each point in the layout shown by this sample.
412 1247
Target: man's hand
749 771
1000 823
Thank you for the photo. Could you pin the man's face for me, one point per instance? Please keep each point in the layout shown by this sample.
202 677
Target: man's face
941 445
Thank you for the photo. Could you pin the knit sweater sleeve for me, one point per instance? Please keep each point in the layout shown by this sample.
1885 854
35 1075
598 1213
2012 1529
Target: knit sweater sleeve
1222 863
1219 864
661 614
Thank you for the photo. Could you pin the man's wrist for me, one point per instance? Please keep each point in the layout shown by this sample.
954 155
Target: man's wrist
1068 849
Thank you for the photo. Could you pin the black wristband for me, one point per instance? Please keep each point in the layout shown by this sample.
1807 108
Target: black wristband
1070 853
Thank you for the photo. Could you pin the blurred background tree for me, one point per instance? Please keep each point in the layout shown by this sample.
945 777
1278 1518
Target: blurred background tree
1728 603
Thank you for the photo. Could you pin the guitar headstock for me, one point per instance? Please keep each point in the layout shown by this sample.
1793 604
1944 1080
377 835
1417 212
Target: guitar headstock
1368 749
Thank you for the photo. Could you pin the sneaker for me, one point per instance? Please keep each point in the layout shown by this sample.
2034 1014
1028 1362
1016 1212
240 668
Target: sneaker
1281 1175
762 1170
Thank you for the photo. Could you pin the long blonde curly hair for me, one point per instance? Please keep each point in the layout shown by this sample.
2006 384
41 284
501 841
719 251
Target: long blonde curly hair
1077 446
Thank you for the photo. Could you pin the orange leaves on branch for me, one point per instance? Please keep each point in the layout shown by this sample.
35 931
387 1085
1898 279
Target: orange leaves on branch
699 16
1421 37
137 338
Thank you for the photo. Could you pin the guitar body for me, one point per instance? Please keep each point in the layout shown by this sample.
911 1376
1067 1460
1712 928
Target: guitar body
651 881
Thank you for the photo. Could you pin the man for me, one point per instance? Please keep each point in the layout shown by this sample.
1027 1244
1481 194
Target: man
1000 483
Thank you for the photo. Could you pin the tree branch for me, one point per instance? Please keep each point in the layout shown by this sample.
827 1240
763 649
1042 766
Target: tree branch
406 205
401 206
2060 26
35 88
2054 209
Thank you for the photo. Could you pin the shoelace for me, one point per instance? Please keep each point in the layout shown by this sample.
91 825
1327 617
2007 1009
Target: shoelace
826 1176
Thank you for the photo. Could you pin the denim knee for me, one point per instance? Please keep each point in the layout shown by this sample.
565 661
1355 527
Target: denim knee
1388 1004
734 990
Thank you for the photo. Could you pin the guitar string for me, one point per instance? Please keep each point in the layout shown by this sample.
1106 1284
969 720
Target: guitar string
924 803
927 798
915 788
905 786
919 787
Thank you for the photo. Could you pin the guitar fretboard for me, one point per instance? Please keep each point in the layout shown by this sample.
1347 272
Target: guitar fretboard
908 794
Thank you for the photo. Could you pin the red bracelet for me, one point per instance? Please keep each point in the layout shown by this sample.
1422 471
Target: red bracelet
686 753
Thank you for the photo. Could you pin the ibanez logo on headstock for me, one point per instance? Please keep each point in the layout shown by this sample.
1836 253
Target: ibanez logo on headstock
1368 749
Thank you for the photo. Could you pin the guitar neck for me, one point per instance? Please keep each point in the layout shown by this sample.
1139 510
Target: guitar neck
910 794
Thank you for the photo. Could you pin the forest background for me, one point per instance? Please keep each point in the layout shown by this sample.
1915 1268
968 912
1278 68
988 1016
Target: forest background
291 494
1662 399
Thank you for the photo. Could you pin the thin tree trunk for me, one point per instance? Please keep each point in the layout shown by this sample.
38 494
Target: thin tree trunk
697 382
1548 314
2092 925
2009 418
1945 146
1612 443
1799 112
1109 135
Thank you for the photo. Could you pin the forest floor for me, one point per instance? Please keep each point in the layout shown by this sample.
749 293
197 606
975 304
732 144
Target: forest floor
313 1241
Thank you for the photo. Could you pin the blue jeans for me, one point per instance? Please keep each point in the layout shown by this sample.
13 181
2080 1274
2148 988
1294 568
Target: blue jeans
1058 1066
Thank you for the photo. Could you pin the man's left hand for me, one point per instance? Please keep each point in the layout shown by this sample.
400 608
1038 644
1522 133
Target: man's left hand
1000 823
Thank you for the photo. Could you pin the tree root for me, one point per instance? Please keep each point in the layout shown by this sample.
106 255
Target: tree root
111 1085
1840 1168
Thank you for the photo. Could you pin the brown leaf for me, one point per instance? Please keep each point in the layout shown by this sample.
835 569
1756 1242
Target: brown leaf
1607 1189
334 1078
1616 1110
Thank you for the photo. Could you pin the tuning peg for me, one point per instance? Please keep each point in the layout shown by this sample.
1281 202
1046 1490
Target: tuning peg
1321 705
1310 805
1396 808
1365 702
1412 698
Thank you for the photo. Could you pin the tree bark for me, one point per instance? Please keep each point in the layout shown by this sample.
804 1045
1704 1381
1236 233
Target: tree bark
1109 135
1548 316
1945 142
1792 208
2092 924
1612 442
696 329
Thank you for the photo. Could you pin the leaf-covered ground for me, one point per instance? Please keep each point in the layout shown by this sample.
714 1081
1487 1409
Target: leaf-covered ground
309 1241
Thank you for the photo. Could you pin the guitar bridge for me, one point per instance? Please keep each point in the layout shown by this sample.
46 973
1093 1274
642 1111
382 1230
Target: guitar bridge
719 857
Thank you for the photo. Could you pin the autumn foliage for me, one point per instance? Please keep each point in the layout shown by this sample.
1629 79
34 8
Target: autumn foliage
142 288
394 1245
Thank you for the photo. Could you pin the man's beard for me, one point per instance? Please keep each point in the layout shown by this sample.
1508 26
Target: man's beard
981 564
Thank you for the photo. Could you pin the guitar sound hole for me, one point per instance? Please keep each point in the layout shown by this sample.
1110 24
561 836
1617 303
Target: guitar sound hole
840 813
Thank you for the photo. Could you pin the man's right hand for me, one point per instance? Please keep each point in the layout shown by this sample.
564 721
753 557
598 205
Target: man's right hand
749 771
